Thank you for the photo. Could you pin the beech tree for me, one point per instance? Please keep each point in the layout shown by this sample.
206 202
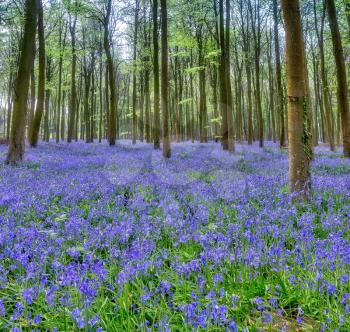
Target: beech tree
156 125
34 133
342 91
299 150
16 142
165 111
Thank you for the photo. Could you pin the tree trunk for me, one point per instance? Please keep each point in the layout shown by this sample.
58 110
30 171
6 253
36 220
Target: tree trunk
101 98
134 92
325 87
223 82
165 80
49 72
342 92
63 116
299 150
16 143
73 92
156 132
87 81
9 105
34 135
230 132
280 100
62 42
110 67
32 102
256 29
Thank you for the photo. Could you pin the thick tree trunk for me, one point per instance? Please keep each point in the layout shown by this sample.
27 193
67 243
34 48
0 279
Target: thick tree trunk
16 142
343 99
299 150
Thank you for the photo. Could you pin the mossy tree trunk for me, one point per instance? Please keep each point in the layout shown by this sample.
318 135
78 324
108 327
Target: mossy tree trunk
16 143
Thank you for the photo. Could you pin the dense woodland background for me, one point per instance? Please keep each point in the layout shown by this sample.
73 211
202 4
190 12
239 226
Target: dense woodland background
183 70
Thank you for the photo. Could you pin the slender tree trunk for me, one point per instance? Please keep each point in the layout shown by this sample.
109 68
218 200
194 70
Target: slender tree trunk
347 12
230 131
63 116
192 100
47 99
73 92
16 142
299 150
62 42
317 107
223 77
257 49
87 81
100 98
270 92
280 100
156 133
202 92
34 135
247 65
325 87
134 92
165 80
32 102
110 68
342 92
9 105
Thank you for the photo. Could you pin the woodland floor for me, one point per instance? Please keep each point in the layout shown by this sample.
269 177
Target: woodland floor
95 238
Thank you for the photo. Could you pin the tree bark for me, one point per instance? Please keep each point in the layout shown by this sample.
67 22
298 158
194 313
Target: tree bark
16 143
165 80
280 100
299 150
156 132
49 72
134 92
230 131
73 92
34 135
112 130
223 82
342 92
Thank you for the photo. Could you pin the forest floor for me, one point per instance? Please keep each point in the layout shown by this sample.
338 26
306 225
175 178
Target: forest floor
95 238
